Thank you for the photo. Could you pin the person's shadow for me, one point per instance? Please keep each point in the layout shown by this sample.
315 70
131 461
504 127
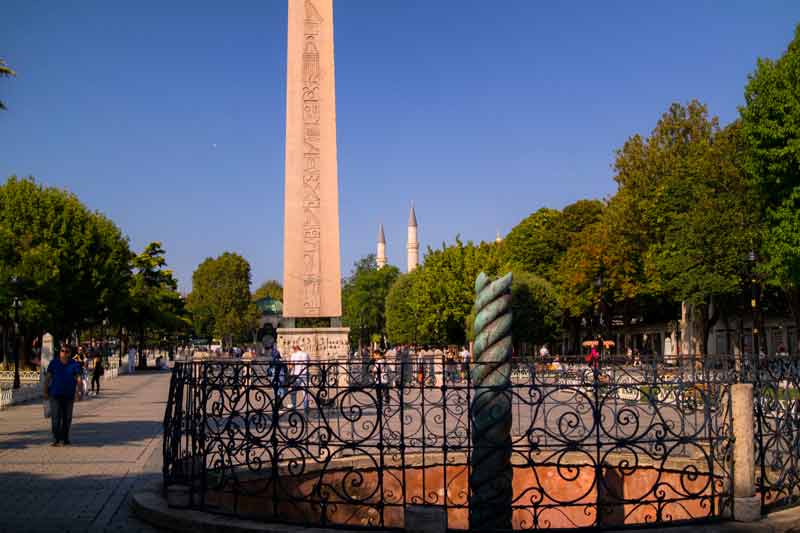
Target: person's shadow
88 434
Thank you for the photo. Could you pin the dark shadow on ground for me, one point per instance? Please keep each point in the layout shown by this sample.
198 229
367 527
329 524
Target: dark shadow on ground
41 503
89 434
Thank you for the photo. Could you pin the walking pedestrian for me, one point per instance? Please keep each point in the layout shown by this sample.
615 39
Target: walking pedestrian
381 375
61 389
97 373
544 353
83 379
131 360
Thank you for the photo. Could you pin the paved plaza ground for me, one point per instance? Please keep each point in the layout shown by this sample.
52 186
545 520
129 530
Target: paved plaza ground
116 450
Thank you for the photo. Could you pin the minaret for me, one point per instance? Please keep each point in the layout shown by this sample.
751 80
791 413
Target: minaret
380 257
413 244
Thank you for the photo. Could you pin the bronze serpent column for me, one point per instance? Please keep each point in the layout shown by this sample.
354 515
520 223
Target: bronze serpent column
490 409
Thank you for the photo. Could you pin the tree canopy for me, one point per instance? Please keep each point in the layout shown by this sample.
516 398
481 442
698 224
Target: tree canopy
64 262
771 131
269 289
430 305
364 299
153 302
220 300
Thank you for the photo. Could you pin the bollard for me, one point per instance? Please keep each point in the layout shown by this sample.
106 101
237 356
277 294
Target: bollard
746 503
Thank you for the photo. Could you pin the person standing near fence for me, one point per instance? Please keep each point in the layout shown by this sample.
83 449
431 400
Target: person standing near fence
276 371
465 360
299 380
61 390
97 373
83 364
381 376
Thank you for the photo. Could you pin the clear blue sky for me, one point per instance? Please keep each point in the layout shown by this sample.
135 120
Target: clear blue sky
478 111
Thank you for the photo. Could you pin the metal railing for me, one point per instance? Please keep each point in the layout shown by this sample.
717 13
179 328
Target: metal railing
25 376
341 445
776 397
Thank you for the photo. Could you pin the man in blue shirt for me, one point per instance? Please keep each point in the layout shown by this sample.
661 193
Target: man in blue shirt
60 388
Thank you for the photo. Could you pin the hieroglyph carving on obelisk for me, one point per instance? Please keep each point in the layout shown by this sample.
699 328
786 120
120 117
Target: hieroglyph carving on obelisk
311 240
311 157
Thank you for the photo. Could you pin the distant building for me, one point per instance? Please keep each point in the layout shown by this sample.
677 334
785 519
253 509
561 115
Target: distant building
271 312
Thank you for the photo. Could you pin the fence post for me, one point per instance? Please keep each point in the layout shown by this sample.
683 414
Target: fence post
746 503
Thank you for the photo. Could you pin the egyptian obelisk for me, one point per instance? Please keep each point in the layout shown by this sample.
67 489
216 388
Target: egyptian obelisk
311 262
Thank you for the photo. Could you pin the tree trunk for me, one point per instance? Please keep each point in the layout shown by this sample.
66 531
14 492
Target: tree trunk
24 347
574 327
706 322
6 358
142 357
123 343
793 299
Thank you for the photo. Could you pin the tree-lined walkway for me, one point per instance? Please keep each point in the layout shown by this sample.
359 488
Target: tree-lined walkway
116 449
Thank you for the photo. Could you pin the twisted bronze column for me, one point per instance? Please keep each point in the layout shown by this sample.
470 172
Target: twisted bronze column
490 410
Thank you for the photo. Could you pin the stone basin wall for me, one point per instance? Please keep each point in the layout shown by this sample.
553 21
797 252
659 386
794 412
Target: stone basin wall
562 494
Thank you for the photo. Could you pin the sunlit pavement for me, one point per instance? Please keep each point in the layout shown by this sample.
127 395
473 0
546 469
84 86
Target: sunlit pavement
116 449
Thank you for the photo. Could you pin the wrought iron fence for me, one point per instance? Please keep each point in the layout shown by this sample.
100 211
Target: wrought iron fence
776 397
337 444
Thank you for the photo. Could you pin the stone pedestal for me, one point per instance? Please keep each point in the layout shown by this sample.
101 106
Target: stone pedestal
425 519
321 344
747 509
747 504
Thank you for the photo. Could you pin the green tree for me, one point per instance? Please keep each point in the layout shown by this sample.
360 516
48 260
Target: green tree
269 289
154 303
220 300
534 244
683 217
580 266
5 72
535 309
575 217
402 309
771 128
65 263
539 242
364 299
710 223
782 250
431 304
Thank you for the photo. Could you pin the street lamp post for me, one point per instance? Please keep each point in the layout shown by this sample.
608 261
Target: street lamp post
598 283
754 301
15 304
104 342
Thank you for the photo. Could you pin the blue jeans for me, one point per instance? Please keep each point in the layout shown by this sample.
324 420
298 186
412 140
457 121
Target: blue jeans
298 388
61 416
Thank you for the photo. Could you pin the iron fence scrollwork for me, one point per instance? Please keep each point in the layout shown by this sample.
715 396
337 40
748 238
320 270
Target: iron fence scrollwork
776 396
323 446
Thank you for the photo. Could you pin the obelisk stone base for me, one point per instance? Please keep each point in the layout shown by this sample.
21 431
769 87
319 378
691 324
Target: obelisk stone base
321 344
